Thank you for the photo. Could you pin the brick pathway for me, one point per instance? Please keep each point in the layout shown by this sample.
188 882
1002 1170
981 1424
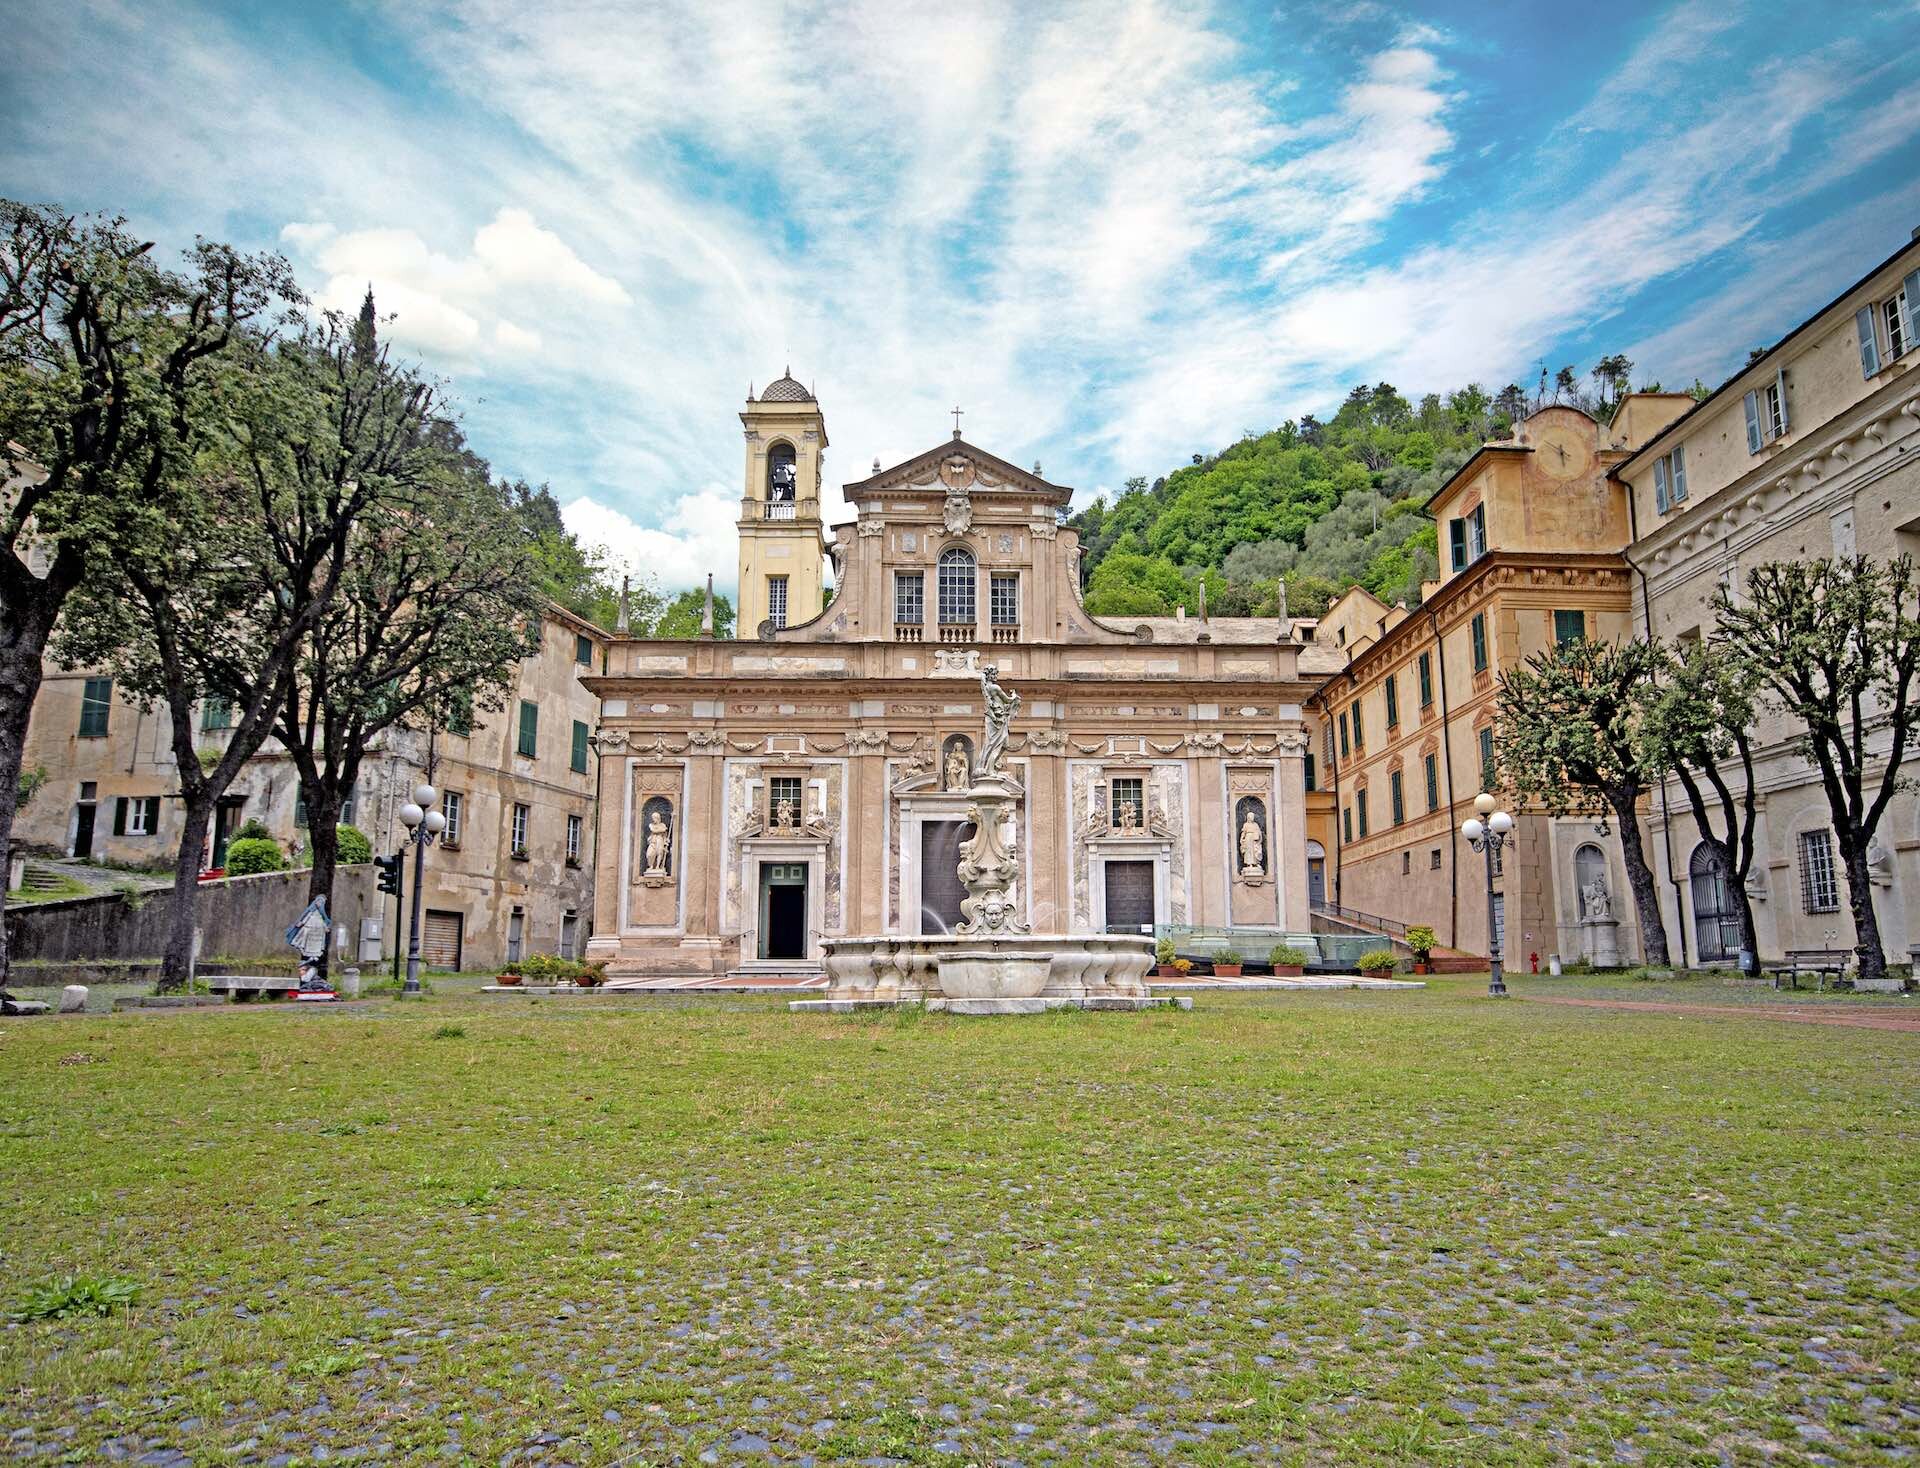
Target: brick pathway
1851 1019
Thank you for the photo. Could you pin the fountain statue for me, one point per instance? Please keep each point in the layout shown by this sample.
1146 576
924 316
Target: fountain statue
992 963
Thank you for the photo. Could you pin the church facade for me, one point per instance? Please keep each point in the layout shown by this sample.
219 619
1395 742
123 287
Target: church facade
806 780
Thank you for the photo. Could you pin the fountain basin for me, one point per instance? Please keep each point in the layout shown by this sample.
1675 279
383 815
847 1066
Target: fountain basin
1022 973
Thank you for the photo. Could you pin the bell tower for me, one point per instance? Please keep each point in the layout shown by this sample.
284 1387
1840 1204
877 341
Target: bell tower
782 542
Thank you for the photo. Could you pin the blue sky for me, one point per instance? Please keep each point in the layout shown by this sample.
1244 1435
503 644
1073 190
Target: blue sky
1117 234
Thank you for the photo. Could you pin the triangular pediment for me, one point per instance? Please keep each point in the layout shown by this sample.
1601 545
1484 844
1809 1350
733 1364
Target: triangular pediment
955 467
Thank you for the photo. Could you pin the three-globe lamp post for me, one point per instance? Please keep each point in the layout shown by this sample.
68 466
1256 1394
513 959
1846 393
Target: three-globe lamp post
1486 831
424 824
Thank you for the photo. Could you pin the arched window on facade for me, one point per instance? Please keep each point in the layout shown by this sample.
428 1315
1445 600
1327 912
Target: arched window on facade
1716 917
782 481
958 587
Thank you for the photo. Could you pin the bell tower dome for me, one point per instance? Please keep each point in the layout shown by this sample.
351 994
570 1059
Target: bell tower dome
782 543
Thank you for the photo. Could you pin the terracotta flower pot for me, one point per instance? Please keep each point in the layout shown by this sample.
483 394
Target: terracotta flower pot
587 980
1226 970
1288 970
506 981
1421 966
1377 973
1166 971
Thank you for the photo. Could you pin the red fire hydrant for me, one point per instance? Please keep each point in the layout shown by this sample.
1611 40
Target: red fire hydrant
1536 961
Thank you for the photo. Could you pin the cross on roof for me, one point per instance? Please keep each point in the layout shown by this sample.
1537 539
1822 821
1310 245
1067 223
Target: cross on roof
956 422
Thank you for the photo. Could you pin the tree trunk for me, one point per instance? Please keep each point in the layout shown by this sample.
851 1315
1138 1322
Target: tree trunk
1866 922
23 642
1646 892
323 845
176 963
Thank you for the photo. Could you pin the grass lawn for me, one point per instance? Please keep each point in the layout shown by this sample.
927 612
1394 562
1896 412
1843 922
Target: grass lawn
1403 1227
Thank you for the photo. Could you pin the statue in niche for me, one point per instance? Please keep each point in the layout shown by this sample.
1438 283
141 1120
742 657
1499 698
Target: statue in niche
1595 905
1001 703
659 843
957 775
1253 847
784 814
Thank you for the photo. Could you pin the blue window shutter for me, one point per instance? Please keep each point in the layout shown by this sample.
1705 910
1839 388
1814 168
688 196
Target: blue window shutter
1912 288
1753 423
1869 343
1678 474
1660 498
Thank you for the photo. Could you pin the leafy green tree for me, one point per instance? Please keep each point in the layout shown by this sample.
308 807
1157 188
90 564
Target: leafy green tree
109 365
580 578
1138 586
1695 721
1836 644
248 856
352 845
682 617
1567 739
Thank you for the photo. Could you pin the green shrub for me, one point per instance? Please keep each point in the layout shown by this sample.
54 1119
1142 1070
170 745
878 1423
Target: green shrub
77 1294
1421 941
252 854
1376 958
1285 955
252 829
1230 957
1163 950
354 846
545 968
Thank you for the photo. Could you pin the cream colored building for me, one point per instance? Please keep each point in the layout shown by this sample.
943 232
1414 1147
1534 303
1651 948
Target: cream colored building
807 781
782 549
515 875
1812 450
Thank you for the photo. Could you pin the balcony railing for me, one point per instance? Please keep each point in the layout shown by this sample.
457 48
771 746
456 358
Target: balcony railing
777 510
958 632
906 631
759 509
1006 634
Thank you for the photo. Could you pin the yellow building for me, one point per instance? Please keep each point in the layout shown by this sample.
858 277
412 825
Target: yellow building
782 542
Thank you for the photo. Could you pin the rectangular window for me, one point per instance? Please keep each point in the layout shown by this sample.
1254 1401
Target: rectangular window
300 804
137 815
1457 544
579 761
957 586
1894 313
1360 809
1393 701
1569 627
583 650
1775 403
451 807
1346 822
1478 631
1003 599
909 597
346 807
1433 860
1426 680
520 814
215 714
529 728
1359 734
1129 804
1344 750
1767 417
1397 796
1432 763
96 699
1477 533
777 600
1406 863
783 800
1819 884
1312 774
1486 759
1670 479
573 839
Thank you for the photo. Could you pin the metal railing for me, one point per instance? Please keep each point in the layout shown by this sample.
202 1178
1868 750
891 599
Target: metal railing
1385 925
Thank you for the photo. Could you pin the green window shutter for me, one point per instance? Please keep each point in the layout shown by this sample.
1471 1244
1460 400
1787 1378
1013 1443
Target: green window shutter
1457 542
1359 734
120 816
1344 749
1569 627
579 747
1395 789
1310 773
529 728
1393 700
1479 631
583 650
153 815
1360 806
1426 680
1346 822
1486 759
1433 783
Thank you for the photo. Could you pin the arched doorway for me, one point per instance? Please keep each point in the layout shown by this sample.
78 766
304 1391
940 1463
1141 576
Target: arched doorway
1716 917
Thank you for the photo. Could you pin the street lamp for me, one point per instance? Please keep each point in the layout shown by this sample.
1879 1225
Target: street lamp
1487 831
424 824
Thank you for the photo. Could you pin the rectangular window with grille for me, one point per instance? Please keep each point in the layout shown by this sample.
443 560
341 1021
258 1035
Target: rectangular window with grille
1129 803
909 597
1433 860
96 700
1426 680
777 600
529 744
957 587
1819 883
520 817
1393 701
452 806
1396 794
1003 594
573 839
783 798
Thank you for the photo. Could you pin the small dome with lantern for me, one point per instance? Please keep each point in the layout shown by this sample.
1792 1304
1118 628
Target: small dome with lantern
784 389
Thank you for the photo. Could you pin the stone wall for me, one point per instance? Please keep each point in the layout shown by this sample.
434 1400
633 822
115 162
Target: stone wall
239 917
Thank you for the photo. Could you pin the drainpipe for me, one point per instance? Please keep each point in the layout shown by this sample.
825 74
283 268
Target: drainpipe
1666 810
1446 759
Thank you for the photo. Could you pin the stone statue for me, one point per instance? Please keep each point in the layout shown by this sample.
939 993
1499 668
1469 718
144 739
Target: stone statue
958 776
783 814
1595 906
659 839
989 866
1253 848
1001 702
1129 816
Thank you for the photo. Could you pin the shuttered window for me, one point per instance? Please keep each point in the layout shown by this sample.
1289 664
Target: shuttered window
1312 775
216 713
1426 680
1767 415
1433 782
529 744
579 762
1393 700
1670 479
1397 797
520 817
1478 632
136 815
583 650
1360 809
96 701
1486 759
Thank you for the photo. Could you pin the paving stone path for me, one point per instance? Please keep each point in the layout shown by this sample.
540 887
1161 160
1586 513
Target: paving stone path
1908 1023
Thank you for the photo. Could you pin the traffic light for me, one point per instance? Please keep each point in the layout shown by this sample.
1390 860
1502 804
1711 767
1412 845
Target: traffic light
389 873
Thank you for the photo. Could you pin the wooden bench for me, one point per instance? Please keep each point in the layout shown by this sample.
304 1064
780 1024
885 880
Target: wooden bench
1820 964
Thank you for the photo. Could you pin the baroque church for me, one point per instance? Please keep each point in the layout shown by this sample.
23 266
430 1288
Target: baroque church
805 780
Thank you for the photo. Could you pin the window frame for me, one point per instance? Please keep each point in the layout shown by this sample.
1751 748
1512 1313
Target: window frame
1136 784
577 759
1670 479
1484 736
1425 665
918 581
1391 688
452 809
527 741
583 649
1819 876
576 830
1431 766
777 600
1579 634
519 832
1360 805
1396 797
96 708
216 714
952 558
996 580
1477 637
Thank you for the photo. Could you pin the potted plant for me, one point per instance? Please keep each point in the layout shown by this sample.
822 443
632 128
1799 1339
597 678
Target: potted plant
507 978
1163 958
1180 967
1226 964
1377 963
1288 962
1421 941
590 975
